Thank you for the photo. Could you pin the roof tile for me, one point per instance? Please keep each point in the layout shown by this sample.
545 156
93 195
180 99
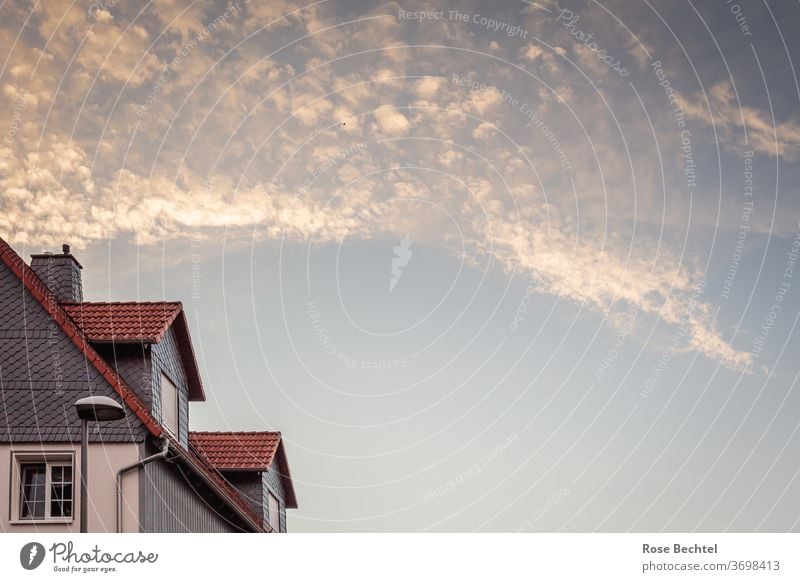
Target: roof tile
237 451
126 321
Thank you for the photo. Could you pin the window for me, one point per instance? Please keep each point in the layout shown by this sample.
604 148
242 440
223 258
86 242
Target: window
169 405
45 487
274 516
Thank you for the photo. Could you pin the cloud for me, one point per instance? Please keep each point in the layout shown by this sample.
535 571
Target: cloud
43 207
603 275
97 44
530 53
781 139
392 122
225 149
428 87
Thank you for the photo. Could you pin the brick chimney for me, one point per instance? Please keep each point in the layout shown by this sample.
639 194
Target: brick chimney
61 273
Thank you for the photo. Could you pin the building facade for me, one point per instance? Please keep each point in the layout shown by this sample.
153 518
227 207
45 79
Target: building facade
148 472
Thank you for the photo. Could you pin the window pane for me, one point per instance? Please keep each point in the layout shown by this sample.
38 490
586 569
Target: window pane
56 499
61 491
61 474
32 495
61 501
33 510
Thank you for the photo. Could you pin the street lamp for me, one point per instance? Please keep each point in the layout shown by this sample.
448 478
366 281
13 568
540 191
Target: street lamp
96 409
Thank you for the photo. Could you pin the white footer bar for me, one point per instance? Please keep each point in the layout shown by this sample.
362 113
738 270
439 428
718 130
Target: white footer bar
387 557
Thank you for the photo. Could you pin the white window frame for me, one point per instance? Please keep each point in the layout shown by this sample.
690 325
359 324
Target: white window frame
50 460
173 430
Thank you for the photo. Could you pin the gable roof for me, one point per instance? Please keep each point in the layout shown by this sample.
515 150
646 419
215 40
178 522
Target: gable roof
139 322
51 305
246 451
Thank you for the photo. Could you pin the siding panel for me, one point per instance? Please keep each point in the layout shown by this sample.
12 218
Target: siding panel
250 486
171 506
273 483
166 359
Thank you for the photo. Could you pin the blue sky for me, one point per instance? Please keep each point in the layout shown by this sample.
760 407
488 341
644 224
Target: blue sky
600 214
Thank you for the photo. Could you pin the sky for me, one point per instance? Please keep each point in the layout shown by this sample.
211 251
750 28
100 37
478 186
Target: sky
488 266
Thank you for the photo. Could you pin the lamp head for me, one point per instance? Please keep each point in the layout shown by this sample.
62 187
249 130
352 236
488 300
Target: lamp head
99 408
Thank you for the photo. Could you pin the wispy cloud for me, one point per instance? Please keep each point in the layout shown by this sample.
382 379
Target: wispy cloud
744 126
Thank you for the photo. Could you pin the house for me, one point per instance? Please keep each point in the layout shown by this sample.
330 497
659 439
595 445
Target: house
147 472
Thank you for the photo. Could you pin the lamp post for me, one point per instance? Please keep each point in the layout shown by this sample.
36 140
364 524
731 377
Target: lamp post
96 409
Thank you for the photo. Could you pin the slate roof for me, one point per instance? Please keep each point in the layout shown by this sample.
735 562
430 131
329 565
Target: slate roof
50 303
125 321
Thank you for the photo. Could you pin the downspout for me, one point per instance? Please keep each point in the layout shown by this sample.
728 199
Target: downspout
162 454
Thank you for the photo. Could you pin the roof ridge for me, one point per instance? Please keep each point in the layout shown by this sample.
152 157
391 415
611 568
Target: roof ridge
233 432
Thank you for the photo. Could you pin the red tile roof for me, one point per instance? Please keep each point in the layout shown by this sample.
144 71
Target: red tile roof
237 451
246 451
128 321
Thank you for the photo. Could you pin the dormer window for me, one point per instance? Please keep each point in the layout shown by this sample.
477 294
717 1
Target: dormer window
274 512
169 405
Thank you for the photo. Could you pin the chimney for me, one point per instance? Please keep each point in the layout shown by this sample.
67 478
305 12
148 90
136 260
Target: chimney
61 273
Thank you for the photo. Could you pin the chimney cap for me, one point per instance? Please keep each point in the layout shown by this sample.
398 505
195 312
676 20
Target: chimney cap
65 252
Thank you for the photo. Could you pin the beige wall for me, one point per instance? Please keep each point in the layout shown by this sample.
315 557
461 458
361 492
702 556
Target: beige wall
104 461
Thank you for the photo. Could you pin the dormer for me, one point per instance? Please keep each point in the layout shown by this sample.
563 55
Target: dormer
255 464
149 345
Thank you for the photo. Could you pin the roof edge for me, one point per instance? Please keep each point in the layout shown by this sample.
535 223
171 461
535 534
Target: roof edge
181 324
286 478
